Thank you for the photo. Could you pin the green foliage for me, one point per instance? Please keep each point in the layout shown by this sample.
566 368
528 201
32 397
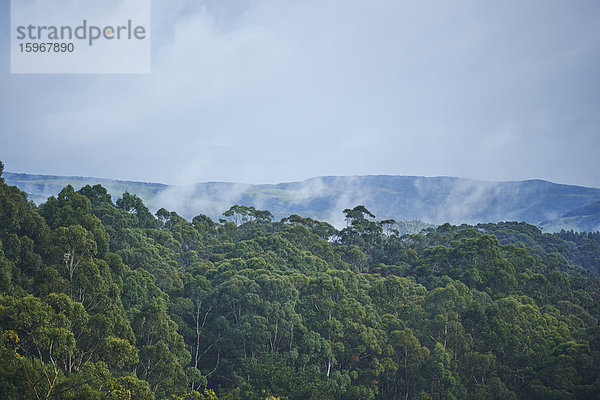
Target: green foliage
106 301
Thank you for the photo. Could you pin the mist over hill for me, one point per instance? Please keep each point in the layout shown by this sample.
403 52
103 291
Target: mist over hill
433 200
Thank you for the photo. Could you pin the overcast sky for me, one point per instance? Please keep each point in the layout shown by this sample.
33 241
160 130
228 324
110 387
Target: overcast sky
268 91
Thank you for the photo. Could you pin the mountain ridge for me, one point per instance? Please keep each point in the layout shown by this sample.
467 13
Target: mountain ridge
432 200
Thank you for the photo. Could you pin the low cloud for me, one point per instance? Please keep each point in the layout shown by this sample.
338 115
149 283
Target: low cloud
266 92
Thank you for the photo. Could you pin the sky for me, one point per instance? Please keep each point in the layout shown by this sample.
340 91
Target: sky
267 91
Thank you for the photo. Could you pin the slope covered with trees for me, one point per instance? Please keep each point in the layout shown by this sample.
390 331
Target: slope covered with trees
104 300
434 200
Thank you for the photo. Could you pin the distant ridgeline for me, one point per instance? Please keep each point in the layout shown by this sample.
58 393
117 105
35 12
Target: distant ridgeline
104 299
551 206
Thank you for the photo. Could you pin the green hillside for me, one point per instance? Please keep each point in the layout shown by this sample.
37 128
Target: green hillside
404 198
40 187
101 299
585 218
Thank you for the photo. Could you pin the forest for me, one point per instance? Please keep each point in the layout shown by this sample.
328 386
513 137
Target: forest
102 299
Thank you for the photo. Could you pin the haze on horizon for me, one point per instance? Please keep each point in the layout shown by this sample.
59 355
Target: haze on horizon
265 91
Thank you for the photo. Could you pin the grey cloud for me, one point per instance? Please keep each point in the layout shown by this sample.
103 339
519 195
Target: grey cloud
269 91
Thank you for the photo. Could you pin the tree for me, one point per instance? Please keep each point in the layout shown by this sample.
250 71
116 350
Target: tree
76 244
133 204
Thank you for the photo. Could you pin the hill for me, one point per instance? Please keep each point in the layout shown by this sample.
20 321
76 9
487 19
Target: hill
103 300
434 200
40 187
585 218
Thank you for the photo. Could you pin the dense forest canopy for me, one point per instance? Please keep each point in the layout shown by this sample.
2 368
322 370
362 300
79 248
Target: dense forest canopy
101 299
